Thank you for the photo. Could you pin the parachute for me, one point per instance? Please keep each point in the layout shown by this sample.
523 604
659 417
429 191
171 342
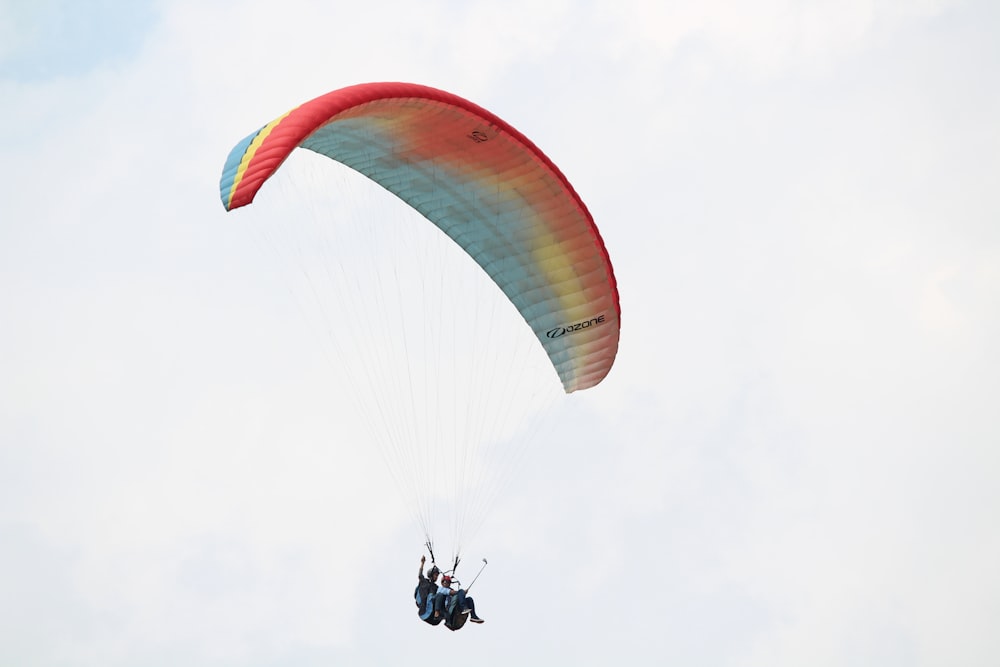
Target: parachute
489 189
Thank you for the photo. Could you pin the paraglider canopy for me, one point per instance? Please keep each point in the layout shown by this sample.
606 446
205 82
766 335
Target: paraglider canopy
484 184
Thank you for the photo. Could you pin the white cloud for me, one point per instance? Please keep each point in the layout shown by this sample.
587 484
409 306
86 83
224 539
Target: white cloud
760 39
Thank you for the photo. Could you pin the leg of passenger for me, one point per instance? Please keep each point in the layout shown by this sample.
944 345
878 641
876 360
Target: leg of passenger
470 604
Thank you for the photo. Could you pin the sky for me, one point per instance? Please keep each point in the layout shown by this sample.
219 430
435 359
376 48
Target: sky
793 461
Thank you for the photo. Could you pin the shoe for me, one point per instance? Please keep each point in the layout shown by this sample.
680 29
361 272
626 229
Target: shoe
477 620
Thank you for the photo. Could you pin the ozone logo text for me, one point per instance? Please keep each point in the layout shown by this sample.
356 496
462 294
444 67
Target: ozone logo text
559 332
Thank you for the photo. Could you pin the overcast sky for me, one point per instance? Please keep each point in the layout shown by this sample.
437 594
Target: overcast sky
793 462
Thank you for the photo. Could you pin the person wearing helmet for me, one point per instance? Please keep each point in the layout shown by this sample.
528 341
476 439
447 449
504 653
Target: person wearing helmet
457 603
429 607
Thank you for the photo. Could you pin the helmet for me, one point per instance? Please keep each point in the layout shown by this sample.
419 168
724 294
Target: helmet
446 580
433 572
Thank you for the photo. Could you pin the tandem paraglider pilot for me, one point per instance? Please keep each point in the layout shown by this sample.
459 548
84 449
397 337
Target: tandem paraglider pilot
429 607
